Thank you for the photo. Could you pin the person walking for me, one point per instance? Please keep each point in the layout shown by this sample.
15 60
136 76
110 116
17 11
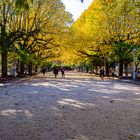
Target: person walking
43 71
63 72
102 74
14 72
55 72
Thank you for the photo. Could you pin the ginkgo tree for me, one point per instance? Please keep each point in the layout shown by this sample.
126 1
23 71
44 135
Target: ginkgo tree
124 32
52 25
38 31
85 39
109 26
7 35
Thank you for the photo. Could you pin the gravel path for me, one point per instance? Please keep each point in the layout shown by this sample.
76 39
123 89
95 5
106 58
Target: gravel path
74 108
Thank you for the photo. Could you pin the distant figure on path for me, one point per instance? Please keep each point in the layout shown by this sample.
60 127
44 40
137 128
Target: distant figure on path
113 73
102 74
55 72
43 71
14 72
63 72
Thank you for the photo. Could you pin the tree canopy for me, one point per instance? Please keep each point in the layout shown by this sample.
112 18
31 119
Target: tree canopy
106 30
35 32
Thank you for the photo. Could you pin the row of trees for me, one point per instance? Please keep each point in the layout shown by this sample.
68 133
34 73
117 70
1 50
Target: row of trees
106 33
31 32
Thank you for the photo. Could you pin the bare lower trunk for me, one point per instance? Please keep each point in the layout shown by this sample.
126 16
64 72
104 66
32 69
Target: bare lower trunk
30 66
4 63
126 70
36 68
120 68
22 68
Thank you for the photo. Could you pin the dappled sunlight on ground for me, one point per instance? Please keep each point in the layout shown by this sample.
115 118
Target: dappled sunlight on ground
80 137
125 87
104 91
130 100
13 112
137 99
106 97
74 103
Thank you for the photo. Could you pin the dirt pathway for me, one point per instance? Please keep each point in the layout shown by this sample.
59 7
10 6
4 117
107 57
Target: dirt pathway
75 108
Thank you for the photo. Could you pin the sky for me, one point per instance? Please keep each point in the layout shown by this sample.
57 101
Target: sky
75 7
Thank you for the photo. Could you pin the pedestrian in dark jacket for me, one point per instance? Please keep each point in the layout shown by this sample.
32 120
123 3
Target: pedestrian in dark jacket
55 72
43 71
63 72
102 74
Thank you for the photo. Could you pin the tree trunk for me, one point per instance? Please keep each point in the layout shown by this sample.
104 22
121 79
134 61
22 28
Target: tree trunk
120 68
36 68
107 68
126 69
30 66
137 64
22 68
4 51
4 62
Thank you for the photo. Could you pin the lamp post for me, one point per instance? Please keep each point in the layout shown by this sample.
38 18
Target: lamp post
134 64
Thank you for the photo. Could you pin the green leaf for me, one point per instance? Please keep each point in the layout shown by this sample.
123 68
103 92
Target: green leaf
22 4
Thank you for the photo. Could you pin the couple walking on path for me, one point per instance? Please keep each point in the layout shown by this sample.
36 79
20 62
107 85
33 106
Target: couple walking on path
56 70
